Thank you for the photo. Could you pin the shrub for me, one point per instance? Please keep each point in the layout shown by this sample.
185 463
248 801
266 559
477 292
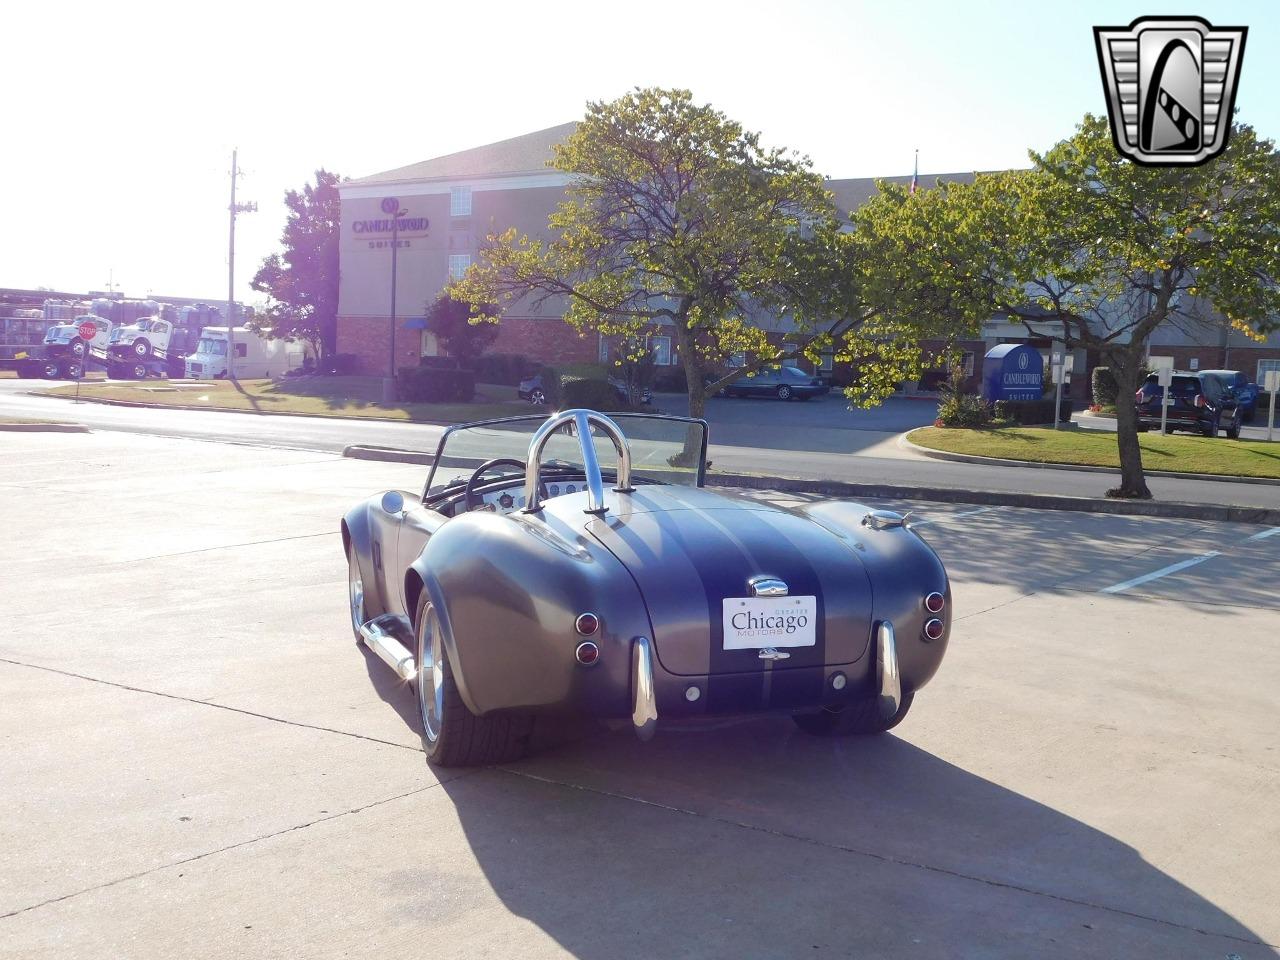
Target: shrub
1105 388
425 384
1028 412
340 364
963 410
504 368
592 394
585 371
670 380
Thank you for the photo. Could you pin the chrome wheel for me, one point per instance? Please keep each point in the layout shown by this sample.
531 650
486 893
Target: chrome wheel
430 675
355 592
537 397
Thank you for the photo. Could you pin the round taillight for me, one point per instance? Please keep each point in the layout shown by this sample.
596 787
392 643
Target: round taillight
587 624
587 653
934 602
933 629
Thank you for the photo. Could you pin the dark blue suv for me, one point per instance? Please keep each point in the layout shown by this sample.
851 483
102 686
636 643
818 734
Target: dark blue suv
1246 392
1199 402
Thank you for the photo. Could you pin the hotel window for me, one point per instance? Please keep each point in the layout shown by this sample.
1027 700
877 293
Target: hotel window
1263 367
458 263
661 349
459 201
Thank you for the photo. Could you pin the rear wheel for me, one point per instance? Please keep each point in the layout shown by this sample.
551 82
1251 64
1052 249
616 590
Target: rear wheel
858 717
452 735
784 392
72 369
537 397
139 371
1211 428
1233 430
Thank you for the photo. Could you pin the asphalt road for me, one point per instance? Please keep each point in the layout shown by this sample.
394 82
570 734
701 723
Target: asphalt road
749 436
196 759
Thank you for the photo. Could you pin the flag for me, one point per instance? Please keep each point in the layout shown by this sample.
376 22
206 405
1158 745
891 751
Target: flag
915 175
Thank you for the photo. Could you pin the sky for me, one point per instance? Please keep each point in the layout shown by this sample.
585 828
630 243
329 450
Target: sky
119 119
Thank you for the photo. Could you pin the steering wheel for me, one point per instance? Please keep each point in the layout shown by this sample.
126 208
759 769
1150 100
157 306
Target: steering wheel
474 499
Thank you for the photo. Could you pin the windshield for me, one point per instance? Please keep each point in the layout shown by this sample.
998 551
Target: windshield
216 348
658 446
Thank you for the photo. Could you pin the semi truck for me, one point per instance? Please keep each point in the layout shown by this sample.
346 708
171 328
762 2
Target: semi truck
255 355
67 354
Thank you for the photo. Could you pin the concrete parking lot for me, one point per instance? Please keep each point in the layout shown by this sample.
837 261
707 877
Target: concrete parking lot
196 759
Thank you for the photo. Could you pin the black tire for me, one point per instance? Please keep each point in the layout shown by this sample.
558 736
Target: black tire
72 370
537 397
78 349
784 392
138 371
141 349
460 738
862 717
1233 431
1211 428
51 370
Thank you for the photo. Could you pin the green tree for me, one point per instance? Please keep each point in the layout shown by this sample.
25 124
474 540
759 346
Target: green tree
302 282
675 216
1091 249
451 321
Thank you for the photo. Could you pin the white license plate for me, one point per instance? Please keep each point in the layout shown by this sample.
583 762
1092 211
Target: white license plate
751 623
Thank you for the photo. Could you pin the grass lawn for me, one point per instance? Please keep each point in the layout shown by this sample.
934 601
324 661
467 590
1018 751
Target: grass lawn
1236 458
320 396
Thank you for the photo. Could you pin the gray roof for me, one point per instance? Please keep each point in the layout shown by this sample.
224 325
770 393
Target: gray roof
524 154
529 154
851 194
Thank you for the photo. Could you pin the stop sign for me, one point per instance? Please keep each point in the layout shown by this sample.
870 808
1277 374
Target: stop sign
88 331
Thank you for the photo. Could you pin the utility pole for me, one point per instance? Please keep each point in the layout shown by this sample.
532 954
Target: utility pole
391 205
235 208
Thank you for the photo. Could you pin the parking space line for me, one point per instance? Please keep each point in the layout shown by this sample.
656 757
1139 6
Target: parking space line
1162 572
951 516
1266 533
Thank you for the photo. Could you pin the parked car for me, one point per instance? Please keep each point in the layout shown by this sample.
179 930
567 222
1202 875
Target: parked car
534 580
1198 402
1246 392
531 389
784 382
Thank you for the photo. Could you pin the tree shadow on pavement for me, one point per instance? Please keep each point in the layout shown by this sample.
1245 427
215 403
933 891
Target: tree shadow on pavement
750 839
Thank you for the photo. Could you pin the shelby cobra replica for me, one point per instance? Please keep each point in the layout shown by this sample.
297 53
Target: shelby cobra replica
518 586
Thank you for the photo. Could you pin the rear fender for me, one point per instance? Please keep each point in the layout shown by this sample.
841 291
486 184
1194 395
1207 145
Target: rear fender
903 570
507 591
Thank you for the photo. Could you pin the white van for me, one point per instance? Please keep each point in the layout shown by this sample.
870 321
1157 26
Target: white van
256 356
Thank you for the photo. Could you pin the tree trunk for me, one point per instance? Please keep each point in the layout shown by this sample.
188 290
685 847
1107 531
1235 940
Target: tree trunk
697 395
1133 482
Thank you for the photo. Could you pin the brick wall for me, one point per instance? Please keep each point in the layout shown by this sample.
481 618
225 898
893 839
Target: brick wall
541 341
545 341
366 338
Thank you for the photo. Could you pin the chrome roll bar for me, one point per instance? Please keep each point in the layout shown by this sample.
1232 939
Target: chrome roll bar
582 421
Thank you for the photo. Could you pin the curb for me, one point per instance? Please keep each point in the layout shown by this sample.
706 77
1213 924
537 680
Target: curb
1077 467
1173 509
362 451
106 401
43 428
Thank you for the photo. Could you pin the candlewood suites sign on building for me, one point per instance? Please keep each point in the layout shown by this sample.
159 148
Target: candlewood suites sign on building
378 230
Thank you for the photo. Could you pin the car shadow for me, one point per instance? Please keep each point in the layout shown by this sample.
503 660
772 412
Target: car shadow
395 692
750 839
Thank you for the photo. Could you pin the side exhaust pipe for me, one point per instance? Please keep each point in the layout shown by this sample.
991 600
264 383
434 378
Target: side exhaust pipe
379 635
887 678
644 706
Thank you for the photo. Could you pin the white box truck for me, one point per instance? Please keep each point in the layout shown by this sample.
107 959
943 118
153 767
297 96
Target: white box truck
256 356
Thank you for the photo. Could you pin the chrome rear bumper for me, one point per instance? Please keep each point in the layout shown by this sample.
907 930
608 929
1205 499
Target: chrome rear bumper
644 705
888 680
